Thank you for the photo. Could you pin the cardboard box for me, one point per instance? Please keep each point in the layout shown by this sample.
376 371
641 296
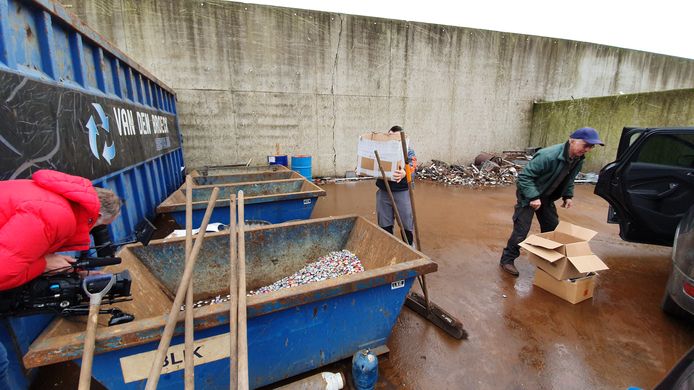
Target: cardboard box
389 147
563 253
572 290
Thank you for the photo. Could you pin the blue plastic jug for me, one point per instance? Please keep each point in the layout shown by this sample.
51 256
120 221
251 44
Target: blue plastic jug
364 370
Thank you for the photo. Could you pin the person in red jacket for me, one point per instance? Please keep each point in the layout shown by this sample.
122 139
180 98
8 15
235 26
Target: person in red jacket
52 212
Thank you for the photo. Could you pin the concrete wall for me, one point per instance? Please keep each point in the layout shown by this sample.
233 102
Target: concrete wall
554 121
257 80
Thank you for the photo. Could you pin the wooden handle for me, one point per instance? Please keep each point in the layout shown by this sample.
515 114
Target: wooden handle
422 279
88 352
155 370
410 189
392 198
408 170
233 297
242 334
189 373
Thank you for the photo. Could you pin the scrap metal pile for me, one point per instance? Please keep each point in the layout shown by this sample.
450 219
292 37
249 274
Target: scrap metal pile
488 170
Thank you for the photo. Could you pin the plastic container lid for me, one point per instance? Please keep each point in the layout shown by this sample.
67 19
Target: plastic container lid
334 381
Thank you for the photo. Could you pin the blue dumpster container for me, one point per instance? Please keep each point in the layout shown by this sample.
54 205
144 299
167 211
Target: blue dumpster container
244 177
290 331
275 201
73 102
216 170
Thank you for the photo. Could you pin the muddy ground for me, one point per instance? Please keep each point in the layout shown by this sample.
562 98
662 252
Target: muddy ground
530 339
521 337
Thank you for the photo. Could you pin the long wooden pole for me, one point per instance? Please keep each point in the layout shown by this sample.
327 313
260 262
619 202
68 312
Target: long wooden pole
155 370
189 374
392 198
243 337
89 346
410 189
233 297
85 379
403 141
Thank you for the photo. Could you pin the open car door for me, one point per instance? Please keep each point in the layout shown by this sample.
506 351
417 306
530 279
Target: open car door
651 184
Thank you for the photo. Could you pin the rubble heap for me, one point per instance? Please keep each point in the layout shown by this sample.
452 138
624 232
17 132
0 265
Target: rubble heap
490 171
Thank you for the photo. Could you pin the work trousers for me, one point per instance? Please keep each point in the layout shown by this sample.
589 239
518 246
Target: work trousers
522 220
386 214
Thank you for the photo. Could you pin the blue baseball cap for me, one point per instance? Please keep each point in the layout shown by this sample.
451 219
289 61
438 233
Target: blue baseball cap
588 134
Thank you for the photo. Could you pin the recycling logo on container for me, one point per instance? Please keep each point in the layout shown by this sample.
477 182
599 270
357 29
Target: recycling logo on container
108 152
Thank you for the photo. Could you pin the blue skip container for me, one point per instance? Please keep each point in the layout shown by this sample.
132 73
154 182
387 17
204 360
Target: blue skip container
302 165
244 177
274 201
216 170
290 331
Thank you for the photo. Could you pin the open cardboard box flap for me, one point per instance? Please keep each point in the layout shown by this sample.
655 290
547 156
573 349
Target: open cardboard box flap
576 231
542 242
588 263
547 254
564 252
578 249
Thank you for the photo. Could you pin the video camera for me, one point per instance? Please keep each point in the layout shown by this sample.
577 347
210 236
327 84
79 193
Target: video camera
64 294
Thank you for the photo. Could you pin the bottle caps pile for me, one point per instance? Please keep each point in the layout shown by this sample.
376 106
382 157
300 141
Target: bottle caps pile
211 301
333 265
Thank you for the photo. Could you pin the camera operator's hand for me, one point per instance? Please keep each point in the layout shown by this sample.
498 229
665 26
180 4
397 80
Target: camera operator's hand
56 262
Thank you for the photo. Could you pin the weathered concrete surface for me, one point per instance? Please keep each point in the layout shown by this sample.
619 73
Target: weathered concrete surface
553 121
530 339
257 80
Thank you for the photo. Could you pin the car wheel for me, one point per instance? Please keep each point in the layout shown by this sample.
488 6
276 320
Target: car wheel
671 307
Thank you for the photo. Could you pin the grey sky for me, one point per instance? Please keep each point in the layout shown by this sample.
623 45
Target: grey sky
662 26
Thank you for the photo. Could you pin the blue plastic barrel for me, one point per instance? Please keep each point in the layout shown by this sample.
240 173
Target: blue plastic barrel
302 165
364 370
278 160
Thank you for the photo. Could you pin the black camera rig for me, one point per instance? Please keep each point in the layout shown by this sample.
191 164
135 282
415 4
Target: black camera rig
64 294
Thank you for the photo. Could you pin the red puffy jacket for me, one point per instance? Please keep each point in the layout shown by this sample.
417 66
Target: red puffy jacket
52 212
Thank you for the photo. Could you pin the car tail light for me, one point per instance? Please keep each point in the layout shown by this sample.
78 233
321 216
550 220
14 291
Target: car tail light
689 289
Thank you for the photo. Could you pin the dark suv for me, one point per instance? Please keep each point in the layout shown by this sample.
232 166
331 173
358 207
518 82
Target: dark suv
650 189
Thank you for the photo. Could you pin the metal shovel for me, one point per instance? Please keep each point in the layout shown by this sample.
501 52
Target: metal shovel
90 338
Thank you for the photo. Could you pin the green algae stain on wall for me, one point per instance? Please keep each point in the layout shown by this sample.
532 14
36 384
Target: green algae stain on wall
554 121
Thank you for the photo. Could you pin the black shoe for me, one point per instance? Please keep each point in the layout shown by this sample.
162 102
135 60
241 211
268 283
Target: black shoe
510 268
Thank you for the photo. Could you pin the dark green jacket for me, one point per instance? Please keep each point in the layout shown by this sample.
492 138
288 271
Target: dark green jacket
542 171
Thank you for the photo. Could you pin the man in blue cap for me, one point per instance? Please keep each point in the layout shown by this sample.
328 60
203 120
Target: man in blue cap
547 177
